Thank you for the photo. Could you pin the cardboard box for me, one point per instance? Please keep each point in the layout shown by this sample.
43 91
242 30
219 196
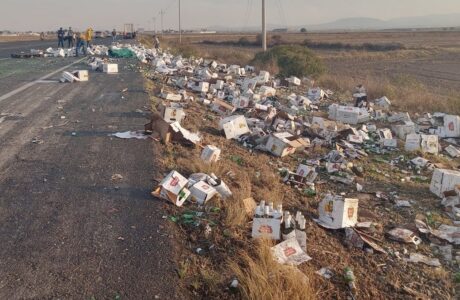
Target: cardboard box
68 77
171 132
110 68
219 85
429 144
202 192
266 228
234 126
336 212
348 114
172 113
201 87
383 102
316 94
412 142
290 252
263 77
402 130
173 188
171 96
222 107
450 127
284 143
294 81
356 139
390 143
210 154
452 151
81 74
399 117
444 180
267 91
241 102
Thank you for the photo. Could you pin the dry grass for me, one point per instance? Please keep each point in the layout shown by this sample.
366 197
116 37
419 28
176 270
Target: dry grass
405 92
261 277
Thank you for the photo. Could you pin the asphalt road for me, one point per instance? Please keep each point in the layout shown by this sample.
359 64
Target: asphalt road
67 230
7 48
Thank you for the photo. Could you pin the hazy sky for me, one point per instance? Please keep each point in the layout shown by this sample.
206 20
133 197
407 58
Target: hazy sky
107 14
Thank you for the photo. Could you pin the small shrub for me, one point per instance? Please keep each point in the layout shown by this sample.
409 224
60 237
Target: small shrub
291 60
244 41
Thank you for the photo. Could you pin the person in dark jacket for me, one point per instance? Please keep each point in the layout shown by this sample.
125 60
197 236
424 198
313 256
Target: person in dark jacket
70 38
60 35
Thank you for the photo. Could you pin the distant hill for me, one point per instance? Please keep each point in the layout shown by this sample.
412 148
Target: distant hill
451 20
430 21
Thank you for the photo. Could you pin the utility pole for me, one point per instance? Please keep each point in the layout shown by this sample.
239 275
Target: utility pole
180 28
162 13
154 25
264 27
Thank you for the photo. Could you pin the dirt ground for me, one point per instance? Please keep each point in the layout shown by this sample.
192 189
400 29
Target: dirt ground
256 174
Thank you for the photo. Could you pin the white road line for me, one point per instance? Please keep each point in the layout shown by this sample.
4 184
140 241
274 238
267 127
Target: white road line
28 85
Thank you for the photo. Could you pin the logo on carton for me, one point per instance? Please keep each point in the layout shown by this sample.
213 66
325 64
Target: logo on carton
289 251
266 229
451 126
351 212
174 181
329 207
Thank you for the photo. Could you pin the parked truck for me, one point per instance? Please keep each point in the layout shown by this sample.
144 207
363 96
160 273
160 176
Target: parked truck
128 31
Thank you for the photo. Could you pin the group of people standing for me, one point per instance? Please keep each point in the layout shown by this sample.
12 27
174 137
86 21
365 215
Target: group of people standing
80 40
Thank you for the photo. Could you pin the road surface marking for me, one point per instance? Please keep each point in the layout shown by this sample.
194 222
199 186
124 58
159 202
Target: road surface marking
28 85
4 58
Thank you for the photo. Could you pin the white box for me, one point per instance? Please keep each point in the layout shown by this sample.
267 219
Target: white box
316 94
430 144
452 151
267 91
404 129
284 143
241 102
356 139
210 154
412 142
263 77
81 74
222 107
219 85
295 81
69 77
450 128
390 143
266 228
234 126
444 180
201 87
289 252
336 212
383 102
202 192
173 114
171 96
348 115
173 188
110 68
